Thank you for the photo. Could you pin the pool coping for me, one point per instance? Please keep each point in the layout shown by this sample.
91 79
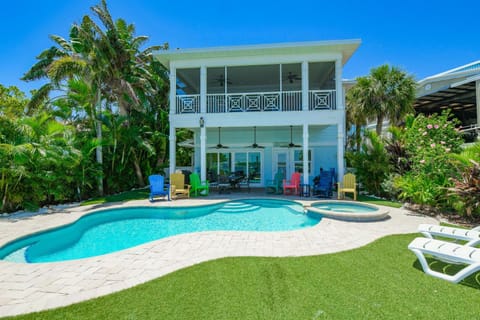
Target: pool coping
35 287
380 214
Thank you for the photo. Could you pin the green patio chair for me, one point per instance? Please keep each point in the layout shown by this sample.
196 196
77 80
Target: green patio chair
198 187
275 185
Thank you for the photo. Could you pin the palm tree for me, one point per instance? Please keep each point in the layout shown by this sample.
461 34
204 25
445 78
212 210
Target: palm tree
68 60
126 75
387 93
131 77
108 60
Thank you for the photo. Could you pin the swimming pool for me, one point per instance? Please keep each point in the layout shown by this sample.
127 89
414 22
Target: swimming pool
107 231
348 210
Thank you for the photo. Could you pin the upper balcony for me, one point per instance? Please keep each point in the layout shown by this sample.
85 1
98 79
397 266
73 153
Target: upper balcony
256 88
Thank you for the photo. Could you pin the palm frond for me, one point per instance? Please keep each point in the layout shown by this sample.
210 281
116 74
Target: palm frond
66 67
40 96
101 11
62 42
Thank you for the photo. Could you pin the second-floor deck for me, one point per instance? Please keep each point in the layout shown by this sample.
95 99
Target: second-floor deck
257 102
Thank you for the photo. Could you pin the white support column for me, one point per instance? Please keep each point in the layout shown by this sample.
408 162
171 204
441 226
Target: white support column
203 153
203 89
173 85
340 150
305 85
338 85
305 154
477 92
173 148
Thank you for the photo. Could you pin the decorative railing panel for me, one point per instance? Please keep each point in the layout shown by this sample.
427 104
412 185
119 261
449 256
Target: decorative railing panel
254 102
322 100
188 103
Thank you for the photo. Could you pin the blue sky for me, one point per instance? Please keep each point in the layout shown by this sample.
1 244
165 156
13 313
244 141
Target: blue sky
421 37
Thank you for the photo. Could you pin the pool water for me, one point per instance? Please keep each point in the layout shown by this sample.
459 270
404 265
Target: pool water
112 230
344 207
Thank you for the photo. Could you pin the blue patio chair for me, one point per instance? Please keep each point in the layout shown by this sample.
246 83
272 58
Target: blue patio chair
323 184
157 187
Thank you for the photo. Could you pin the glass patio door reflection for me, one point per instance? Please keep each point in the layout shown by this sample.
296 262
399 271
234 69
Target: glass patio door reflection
281 163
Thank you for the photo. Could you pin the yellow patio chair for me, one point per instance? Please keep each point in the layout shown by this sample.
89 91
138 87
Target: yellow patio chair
347 185
178 186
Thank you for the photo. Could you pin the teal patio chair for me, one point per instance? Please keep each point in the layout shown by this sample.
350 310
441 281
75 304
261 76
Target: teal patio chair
158 186
275 185
197 186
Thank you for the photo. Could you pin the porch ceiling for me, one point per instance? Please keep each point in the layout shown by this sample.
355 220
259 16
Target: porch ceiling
244 137
460 99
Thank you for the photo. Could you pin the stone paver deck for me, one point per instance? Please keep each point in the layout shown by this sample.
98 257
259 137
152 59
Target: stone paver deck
33 287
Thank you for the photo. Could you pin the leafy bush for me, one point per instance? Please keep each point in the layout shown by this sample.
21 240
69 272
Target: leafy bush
37 158
429 141
468 189
371 163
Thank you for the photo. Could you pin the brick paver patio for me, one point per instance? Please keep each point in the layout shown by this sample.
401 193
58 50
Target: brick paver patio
32 287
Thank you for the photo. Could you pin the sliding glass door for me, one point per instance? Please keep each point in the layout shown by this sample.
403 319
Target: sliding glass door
247 162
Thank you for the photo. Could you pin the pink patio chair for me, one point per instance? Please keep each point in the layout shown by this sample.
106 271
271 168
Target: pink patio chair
293 185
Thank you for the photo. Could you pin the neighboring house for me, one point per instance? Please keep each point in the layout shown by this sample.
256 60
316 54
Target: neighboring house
261 108
457 90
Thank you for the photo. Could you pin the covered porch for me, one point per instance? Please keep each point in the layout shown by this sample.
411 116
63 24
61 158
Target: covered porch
259 152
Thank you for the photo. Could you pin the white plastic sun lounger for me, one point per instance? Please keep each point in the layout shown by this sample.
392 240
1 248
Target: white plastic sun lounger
446 251
472 236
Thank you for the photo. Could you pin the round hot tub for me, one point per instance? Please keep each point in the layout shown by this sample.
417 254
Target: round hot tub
348 210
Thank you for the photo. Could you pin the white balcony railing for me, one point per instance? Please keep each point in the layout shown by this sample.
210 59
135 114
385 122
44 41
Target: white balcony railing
188 103
254 102
322 100
257 102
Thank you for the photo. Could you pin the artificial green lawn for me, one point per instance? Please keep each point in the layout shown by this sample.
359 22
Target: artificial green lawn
382 202
124 196
382 280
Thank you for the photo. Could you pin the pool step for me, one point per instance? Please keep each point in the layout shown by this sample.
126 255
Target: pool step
237 207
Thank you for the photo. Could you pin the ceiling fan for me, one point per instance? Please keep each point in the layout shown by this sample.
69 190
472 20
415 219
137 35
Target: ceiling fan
291 144
291 77
219 144
221 80
255 145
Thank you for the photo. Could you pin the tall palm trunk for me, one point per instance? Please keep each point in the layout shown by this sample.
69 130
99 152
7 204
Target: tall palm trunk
99 149
138 170
379 124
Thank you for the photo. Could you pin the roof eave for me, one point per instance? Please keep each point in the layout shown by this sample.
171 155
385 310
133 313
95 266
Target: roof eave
346 47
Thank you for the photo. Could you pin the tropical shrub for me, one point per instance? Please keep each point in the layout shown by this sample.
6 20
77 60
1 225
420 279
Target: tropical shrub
429 141
465 194
37 158
468 189
371 163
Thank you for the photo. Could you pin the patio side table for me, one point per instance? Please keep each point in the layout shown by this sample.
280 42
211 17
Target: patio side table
304 190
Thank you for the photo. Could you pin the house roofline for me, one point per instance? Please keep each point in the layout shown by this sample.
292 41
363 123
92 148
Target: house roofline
347 47
451 74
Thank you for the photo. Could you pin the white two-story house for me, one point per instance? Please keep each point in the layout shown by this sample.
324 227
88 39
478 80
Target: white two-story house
260 109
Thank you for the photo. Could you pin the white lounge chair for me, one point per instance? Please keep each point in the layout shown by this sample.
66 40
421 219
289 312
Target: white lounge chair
472 236
446 251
